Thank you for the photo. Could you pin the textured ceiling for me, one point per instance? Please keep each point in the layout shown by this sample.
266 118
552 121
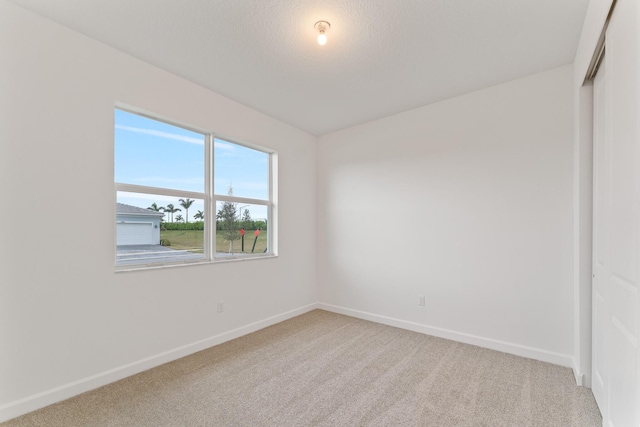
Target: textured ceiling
382 56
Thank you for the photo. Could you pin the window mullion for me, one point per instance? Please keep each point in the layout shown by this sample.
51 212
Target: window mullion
210 210
271 225
234 199
132 188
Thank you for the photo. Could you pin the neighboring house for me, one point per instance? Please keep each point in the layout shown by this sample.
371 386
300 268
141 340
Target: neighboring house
137 226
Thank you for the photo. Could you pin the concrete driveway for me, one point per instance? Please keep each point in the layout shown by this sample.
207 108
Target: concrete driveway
143 254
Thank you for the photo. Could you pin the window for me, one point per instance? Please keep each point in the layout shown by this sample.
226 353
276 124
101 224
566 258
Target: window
183 196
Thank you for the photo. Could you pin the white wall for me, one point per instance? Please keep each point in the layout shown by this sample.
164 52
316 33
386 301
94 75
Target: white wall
68 322
468 202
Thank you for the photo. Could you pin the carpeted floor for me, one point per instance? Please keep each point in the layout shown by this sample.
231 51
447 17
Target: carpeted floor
324 369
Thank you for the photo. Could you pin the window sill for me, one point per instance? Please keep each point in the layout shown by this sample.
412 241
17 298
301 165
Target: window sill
222 260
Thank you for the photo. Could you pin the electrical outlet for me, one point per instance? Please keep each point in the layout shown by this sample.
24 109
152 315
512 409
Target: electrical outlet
421 300
220 306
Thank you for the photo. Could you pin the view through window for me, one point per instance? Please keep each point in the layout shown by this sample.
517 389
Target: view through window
166 213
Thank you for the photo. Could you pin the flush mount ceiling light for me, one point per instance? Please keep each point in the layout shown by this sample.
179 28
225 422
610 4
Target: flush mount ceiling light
322 27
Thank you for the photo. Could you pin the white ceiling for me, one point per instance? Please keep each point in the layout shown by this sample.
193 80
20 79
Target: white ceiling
382 56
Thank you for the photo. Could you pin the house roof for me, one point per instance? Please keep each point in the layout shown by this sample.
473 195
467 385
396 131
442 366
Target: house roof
122 209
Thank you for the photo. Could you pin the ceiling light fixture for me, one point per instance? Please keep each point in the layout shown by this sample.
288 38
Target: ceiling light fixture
322 27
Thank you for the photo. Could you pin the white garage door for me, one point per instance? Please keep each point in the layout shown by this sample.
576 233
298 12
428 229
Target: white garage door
135 233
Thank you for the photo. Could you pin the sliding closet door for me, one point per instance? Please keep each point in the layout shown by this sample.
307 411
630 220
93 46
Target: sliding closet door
616 303
601 204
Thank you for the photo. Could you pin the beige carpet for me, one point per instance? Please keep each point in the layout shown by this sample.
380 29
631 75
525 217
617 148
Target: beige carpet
324 369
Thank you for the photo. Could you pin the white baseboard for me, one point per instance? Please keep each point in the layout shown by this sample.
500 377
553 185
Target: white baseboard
582 379
578 376
40 400
505 347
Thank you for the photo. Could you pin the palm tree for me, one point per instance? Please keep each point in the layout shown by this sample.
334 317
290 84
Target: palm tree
171 209
186 204
179 218
154 207
199 215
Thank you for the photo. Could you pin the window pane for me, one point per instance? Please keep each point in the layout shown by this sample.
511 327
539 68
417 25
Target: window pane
243 170
156 154
158 229
235 218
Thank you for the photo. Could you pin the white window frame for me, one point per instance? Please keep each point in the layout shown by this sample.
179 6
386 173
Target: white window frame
209 198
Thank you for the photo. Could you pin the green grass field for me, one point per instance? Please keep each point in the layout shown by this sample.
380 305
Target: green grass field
193 240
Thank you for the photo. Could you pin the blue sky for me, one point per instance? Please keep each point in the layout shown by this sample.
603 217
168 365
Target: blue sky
156 154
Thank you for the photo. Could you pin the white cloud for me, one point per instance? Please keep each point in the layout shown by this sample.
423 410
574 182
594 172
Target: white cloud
160 179
182 138
223 145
